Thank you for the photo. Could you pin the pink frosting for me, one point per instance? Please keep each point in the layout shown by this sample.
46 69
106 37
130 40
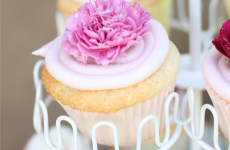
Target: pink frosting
134 56
216 71
224 66
141 60
42 51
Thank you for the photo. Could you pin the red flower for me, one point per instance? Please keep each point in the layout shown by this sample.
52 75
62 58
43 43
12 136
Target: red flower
222 43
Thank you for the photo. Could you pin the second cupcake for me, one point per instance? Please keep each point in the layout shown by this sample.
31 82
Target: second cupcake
216 71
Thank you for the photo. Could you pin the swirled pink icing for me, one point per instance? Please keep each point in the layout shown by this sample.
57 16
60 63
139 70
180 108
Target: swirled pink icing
216 70
141 60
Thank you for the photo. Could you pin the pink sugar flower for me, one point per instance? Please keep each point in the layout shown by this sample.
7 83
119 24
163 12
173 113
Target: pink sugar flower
105 31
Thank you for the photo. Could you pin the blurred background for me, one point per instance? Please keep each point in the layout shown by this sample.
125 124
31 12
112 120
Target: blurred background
26 25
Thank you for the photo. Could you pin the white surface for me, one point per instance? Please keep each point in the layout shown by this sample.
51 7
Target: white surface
35 142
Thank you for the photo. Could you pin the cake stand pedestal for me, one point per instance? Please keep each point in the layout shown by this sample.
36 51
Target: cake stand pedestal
188 77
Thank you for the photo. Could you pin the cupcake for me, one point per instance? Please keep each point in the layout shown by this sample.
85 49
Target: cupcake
216 71
159 8
114 63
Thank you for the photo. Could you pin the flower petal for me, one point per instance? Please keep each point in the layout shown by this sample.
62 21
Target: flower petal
91 34
71 23
92 53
